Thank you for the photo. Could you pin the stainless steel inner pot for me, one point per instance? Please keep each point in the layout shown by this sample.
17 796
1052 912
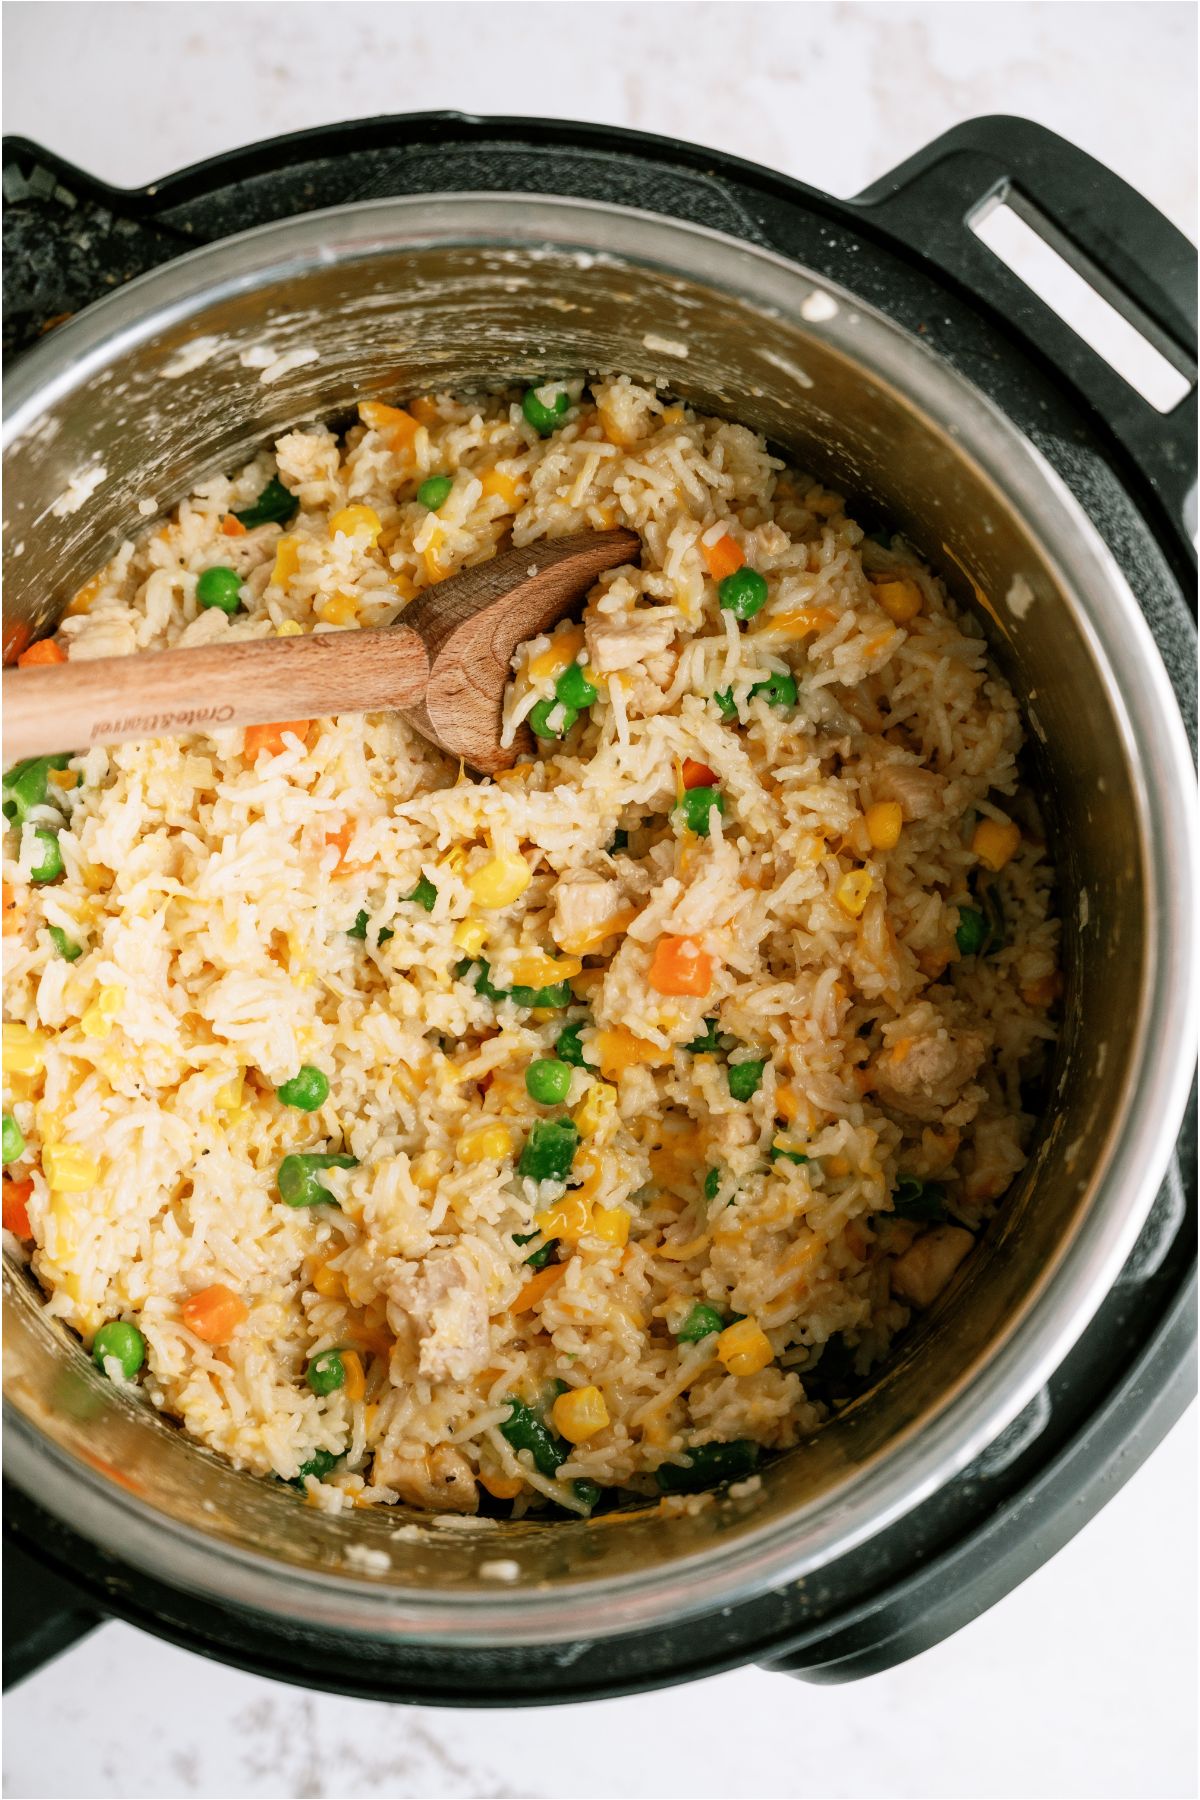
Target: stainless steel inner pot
114 417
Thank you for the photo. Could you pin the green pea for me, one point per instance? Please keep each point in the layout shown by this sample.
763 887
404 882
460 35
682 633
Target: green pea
221 588
558 995
709 1041
297 1178
701 1322
525 1431
25 785
568 1048
548 1081
745 1077
538 1258
483 981
712 1184
921 1200
436 491
708 1465
359 927
326 1373
274 506
557 726
973 931
66 947
780 1155
423 895
743 593
728 705
307 1089
320 1464
574 689
48 865
777 690
696 806
549 1150
12 1139
124 1342
544 419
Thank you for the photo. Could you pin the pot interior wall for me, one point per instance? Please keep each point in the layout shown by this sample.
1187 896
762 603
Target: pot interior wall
202 393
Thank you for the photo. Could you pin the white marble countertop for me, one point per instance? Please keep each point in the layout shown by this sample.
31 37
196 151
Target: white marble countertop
1082 1682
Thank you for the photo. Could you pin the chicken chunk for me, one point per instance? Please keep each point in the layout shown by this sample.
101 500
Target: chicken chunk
437 1480
924 1066
925 1269
919 791
445 1300
620 643
583 906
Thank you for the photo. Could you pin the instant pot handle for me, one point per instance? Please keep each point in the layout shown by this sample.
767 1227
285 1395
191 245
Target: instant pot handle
1109 233
43 1614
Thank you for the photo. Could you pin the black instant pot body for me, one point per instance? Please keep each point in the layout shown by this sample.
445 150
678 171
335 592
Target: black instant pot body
906 249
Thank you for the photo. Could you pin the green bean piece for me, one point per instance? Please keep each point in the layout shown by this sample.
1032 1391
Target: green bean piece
563 718
568 1048
25 785
709 1041
67 948
537 1258
728 705
297 1178
924 1201
274 506
423 895
525 1431
49 862
712 1184
709 1465
697 805
320 1464
549 1150
12 1139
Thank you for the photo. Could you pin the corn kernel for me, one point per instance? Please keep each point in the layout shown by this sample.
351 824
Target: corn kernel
339 609
68 1169
287 561
327 1282
537 970
289 628
596 1111
356 521
884 822
399 427
787 1102
611 1224
561 652
229 1096
619 1049
500 881
355 1384
24 1050
995 844
853 891
489 1143
579 1414
64 778
568 1219
471 935
503 487
97 1021
744 1347
900 600
837 1166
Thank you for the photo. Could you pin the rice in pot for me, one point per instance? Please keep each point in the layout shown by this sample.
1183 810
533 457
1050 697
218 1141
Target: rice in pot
774 879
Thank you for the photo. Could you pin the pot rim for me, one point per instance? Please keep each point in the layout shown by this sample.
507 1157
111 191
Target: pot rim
988 1395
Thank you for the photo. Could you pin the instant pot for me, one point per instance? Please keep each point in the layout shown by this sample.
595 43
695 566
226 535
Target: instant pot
160 334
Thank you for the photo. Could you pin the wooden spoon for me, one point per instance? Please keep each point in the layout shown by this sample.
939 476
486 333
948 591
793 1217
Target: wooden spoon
445 664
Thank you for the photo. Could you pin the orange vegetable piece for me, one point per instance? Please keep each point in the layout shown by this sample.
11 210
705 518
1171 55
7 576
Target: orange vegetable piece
537 1287
232 526
16 1207
698 774
41 655
215 1313
723 558
270 737
424 410
501 1487
12 912
342 840
680 965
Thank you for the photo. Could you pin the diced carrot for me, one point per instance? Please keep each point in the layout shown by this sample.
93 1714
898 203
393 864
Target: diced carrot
342 839
723 558
537 1287
270 737
231 526
16 641
41 655
12 911
680 965
697 774
16 1207
215 1313
424 410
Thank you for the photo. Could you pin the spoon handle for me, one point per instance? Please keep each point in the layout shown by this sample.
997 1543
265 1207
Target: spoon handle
169 693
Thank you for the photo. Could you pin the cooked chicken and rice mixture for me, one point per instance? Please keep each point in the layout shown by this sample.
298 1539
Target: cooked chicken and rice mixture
587 1130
